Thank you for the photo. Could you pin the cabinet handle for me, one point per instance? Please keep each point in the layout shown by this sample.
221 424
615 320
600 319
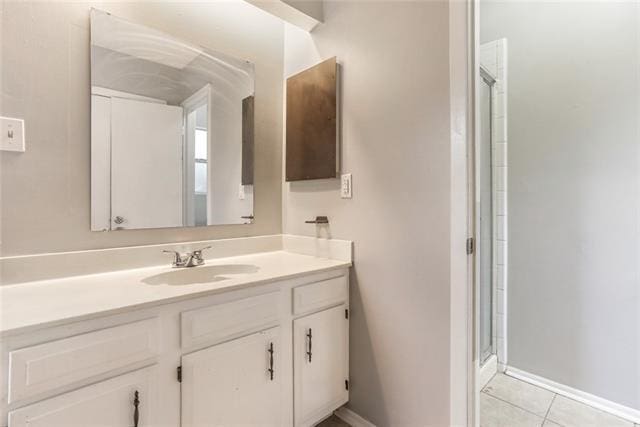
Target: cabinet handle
310 338
270 361
136 412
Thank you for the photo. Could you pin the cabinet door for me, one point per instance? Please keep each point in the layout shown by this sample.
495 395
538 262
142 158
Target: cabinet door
110 403
231 384
320 364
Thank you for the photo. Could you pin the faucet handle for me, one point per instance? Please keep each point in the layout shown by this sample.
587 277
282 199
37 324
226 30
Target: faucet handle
199 251
197 254
177 260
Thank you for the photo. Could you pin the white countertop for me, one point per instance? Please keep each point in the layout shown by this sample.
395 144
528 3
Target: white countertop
48 302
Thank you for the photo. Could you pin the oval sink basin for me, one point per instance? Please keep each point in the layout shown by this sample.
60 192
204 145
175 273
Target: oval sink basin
195 275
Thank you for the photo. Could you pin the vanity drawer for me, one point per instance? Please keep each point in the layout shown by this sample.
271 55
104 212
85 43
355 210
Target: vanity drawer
56 364
216 323
319 295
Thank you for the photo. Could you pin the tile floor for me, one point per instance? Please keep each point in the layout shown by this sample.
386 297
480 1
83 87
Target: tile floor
508 402
333 421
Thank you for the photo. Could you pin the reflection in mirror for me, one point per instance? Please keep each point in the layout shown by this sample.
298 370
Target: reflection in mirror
171 131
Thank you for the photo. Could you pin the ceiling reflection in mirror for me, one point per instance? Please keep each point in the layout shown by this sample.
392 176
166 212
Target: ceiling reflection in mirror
171 130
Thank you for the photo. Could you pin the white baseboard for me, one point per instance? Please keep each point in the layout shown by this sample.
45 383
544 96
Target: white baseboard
605 405
351 418
487 371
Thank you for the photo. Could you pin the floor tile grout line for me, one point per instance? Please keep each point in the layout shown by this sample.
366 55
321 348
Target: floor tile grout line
633 424
587 405
553 399
598 409
513 404
550 405
490 379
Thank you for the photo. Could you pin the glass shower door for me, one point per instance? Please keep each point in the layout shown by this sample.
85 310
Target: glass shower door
485 210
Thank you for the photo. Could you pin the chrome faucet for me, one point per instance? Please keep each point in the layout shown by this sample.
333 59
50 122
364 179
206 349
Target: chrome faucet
190 259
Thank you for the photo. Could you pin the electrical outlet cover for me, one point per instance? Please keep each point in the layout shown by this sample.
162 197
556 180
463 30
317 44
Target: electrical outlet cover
345 186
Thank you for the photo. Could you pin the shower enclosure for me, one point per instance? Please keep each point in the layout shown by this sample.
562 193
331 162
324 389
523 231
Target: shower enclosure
485 208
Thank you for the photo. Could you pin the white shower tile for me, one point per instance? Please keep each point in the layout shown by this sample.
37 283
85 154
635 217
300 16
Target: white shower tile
499 106
500 154
501 202
499 48
500 301
501 227
500 323
500 276
501 178
501 252
499 129
488 57
501 350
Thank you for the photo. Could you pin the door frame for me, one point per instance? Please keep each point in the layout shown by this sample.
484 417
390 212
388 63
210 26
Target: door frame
473 144
464 77
202 96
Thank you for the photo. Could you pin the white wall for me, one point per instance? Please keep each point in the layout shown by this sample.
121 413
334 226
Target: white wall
45 80
574 191
396 143
225 158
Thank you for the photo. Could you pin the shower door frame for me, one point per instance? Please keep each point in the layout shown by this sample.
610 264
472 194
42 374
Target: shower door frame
485 78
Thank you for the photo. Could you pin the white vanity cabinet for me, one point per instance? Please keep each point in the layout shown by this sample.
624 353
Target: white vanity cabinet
127 400
235 357
320 343
320 348
235 383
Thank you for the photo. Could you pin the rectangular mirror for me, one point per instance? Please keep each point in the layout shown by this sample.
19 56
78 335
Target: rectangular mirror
171 131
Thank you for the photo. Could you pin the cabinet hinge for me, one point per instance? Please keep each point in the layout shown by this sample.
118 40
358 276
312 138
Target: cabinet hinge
179 374
346 384
346 313
470 245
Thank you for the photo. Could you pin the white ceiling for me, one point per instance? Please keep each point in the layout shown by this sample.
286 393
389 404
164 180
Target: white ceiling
119 35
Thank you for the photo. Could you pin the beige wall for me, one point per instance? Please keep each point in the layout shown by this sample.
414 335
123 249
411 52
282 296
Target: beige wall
395 137
45 80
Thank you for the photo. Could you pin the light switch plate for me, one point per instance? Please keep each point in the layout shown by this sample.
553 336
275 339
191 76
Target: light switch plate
11 134
345 186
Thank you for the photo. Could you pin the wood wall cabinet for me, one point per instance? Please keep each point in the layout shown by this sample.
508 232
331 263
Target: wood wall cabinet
312 123
237 358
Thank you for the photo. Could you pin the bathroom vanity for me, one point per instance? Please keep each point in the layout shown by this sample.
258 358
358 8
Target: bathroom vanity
257 339
258 335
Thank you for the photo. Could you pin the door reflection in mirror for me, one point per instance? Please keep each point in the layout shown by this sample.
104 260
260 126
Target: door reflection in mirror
169 131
